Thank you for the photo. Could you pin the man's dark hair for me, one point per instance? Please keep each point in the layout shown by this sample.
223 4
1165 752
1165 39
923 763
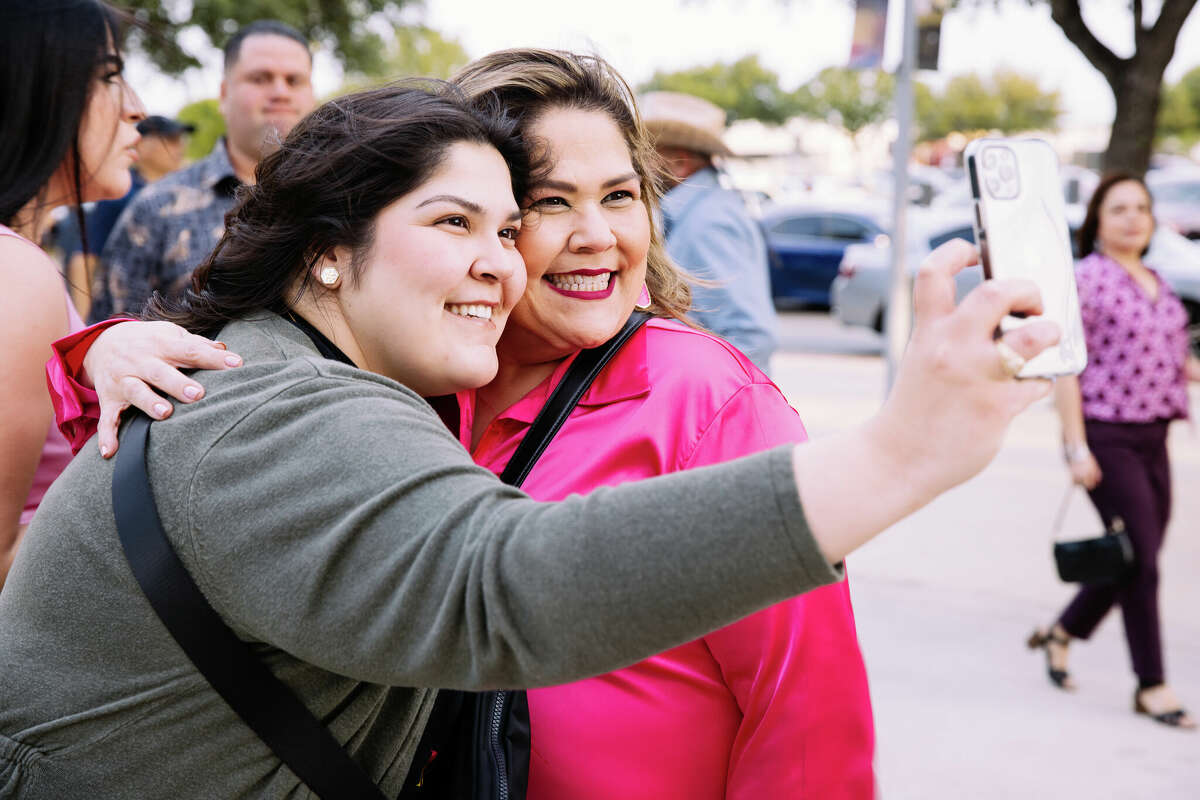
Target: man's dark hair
262 27
53 54
338 168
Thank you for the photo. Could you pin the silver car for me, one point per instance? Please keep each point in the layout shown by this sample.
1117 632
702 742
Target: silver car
860 290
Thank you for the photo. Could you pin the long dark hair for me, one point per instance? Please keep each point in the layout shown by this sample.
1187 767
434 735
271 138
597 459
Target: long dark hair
1090 228
49 54
337 169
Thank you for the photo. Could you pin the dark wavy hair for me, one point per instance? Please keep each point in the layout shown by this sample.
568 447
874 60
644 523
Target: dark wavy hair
335 172
1090 228
50 51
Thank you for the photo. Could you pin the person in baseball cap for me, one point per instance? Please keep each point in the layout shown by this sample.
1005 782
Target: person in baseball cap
160 152
708 229
161 149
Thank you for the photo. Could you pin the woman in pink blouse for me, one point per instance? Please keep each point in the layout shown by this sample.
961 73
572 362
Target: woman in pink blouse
1115 417
773 706
67 138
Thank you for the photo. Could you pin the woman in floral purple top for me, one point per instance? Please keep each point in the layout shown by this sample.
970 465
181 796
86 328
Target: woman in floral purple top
1115 417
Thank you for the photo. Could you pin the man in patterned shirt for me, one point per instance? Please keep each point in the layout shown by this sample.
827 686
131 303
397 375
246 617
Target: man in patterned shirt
169 228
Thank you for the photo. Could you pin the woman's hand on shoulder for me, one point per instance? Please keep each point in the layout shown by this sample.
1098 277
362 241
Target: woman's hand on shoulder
128 362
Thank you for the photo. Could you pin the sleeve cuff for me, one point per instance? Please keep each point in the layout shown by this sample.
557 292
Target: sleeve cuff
812 562
76 407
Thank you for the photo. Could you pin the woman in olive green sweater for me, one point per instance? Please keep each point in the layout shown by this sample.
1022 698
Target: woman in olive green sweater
333 522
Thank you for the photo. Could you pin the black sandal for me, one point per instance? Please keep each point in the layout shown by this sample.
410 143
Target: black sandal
1042 639
1174 718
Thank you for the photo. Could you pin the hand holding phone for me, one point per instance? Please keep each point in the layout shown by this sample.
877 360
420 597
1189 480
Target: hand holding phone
1021 228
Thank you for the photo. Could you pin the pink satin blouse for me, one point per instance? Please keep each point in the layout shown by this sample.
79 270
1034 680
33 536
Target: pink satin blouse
773 706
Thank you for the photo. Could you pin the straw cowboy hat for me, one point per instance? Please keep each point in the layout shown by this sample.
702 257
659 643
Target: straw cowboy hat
686 121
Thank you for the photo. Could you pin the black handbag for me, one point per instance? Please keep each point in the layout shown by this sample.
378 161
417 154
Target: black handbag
1104 559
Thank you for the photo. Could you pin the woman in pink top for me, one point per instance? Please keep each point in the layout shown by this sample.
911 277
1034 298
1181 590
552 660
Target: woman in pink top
67 138
1115 417
773 706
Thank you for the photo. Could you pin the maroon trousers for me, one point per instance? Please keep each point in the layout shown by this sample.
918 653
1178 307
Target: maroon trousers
1136 486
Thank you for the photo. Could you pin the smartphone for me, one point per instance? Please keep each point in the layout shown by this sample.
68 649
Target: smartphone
1021 228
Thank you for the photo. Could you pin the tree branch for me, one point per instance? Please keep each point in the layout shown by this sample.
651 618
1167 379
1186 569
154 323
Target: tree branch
1159 41
1066 15
1139 28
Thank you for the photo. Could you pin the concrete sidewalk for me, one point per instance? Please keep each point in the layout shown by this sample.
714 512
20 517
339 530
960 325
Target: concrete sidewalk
945 601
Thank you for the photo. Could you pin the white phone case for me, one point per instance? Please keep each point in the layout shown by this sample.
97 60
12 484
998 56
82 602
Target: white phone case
1021 228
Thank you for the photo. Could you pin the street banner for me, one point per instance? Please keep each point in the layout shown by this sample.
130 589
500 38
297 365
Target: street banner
870 26
929 32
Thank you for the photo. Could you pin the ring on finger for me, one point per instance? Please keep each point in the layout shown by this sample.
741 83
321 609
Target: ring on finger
1011 361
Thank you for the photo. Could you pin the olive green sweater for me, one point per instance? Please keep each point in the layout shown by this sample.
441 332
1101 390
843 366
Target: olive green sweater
332 520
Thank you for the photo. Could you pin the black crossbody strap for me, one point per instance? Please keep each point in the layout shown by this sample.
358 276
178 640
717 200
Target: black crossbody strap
566 395
269 707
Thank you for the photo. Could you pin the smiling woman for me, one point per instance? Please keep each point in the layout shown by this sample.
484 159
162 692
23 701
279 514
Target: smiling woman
775 705
433 329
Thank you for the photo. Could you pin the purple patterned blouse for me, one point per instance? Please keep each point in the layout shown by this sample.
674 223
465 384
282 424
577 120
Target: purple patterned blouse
1137 348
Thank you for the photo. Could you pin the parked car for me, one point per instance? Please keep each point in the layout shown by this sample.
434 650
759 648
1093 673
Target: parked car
805 244
1177 200
860 292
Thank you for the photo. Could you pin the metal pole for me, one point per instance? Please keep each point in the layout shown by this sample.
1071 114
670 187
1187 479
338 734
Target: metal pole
899 308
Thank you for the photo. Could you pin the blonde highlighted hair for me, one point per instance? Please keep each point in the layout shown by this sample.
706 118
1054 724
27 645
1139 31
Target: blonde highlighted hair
528 82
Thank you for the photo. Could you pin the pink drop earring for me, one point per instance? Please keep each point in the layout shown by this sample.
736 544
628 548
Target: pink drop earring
643 299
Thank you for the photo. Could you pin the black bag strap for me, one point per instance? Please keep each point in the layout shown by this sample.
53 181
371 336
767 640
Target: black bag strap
566 395
580 375
269 707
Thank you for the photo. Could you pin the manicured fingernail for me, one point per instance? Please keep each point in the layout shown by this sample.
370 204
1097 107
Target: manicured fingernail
220 345
104 451
161 409
191 392
233 361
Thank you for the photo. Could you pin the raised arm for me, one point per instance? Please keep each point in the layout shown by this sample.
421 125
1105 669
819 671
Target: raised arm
380 519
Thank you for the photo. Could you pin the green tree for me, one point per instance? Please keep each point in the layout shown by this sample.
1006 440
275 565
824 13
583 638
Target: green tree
1009 103
1135 80
1176 114
745 89
1179 108
345 27
848 98
414 51
210 126
1027 107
